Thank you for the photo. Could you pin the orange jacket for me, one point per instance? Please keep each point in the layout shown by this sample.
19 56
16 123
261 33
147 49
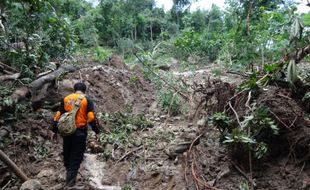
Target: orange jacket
84 115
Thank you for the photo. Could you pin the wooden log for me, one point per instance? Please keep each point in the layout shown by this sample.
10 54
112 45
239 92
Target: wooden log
37 85
9 77
12 166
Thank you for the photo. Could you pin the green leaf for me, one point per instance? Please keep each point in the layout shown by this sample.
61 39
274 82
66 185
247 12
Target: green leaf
52 20
247 140
306 97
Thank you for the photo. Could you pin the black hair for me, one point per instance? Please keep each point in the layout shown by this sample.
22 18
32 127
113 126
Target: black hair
80 87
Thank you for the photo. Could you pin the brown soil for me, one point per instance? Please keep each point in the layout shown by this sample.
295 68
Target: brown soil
162 160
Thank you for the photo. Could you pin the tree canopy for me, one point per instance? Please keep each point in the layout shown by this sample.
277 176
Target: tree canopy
35 32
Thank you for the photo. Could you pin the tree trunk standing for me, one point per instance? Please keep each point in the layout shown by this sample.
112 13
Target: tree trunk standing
27 30
151 30
2 22
263 58
135 32
248 18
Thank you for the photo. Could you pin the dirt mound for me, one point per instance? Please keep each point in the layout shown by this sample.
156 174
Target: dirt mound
110 88
117 62
283 107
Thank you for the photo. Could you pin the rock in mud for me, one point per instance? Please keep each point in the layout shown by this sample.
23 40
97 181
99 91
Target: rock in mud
176 149
164 67
32 184
202 122
45 173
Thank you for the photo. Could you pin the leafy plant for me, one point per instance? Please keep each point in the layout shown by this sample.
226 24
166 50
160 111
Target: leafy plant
306 97
121 126
169 101
253 133
221 121
41 151
134 81
127 187
244 186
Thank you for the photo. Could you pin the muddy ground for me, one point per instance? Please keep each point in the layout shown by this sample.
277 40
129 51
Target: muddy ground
161 157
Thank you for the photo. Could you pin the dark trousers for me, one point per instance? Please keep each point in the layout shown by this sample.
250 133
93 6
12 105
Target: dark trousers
73 152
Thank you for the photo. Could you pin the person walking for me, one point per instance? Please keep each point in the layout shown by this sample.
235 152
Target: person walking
74 145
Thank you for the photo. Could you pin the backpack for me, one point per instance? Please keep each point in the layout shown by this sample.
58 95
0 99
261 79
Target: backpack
66 123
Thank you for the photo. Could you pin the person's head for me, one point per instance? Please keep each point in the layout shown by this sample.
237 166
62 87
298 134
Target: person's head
79 87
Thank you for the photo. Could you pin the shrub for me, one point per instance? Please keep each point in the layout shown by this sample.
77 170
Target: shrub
170 102
253 133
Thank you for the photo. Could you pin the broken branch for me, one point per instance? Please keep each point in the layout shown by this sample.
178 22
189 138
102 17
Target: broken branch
8 67
127 154
12 166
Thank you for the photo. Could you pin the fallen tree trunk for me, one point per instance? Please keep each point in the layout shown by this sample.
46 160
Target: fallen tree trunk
37 85
9 77
12 166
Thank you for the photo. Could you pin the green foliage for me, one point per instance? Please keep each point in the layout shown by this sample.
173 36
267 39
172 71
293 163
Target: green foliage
134 81
121 126
271 68
221 121
244 186
13 111
127 187
251 84
98 53
195 43
34 34
169 101
41 151
253 133
306 97
306 19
